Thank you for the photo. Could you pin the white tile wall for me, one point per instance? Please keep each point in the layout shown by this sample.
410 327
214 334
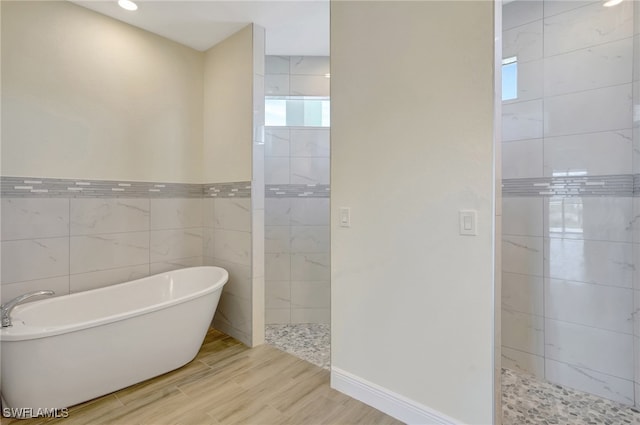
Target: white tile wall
522 159
309 239
523 293
522 120
276 142
520 12
309 294
296 232
599 153
609 64
239 278
179 263
233 214
589 111
171 245
310 212
276 85
530 86
278 211
599 306
310 266
80 244
573 115
523 332
555 7
522 255
108 251
93 216
277 170
525 362
603 385
522 216
278 266
93 280
587 26
310 171
309 65
309 85
28 218
277 239
601 262
32 259
601 218
524 41
233 246
609 352
277 64
177 213
309 143
275 316
278 294
310 315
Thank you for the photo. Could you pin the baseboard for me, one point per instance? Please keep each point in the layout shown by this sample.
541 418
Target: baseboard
386 401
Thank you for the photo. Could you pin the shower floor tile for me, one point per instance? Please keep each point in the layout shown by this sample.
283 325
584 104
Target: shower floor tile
525 400
308 341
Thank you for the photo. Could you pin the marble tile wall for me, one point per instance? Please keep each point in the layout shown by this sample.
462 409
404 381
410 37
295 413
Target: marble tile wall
228 244
297 201
76 244
636 204
568 264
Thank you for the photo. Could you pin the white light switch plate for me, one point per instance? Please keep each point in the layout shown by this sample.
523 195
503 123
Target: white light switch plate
468 222
345 217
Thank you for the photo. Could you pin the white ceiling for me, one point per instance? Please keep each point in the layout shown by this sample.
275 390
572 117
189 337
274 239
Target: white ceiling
293 27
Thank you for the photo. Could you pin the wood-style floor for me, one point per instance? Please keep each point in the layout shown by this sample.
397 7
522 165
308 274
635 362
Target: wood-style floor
227 383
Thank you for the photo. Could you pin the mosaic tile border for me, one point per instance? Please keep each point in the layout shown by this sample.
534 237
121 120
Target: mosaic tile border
23 187
297 191
622 185
227 190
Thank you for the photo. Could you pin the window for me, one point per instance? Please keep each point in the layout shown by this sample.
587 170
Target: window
510 78
296 111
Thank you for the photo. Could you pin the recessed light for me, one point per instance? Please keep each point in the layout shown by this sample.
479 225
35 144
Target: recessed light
611 3
127 5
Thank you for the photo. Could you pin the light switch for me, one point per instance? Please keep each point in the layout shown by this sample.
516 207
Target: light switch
345 217
468 222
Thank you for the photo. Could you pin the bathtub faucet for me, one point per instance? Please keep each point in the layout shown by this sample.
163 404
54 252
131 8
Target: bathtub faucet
7 307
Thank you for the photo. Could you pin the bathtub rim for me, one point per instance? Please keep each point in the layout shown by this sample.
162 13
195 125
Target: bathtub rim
22 332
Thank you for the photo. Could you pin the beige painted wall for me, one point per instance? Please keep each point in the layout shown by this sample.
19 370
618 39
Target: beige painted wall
228 109
411 145
86 96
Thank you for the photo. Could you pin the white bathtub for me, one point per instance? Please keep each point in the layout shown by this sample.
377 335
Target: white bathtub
65 350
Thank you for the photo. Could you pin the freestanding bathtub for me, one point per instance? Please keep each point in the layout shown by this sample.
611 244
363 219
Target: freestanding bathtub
65 350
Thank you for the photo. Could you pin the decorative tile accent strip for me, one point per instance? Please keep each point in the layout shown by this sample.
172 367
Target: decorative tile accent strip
297 191
624 185
636 185
23 187
227 190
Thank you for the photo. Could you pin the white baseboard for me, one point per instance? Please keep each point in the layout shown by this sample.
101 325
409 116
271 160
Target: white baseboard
386 401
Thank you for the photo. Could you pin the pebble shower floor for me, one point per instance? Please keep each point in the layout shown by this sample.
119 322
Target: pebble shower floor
525 400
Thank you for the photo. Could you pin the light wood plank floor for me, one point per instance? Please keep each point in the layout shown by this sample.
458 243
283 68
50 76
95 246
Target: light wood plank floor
227 383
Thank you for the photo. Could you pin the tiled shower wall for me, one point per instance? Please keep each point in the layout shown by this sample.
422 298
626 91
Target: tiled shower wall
297 200
568 185
636 201
228 244
56 238
72 244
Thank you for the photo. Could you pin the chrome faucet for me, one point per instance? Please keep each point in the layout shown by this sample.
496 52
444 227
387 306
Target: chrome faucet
6 308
